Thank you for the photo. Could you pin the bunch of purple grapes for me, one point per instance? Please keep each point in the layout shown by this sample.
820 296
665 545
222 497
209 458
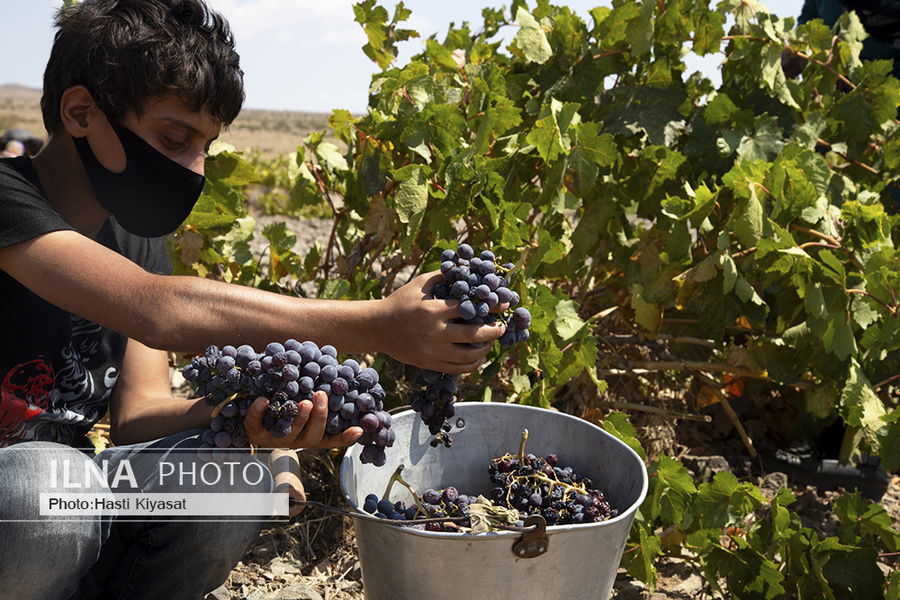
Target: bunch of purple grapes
435 404
480 285
530 485
534 485
230 379
432 504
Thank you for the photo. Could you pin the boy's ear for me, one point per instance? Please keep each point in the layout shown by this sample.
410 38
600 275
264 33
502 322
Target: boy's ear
76 107
81 117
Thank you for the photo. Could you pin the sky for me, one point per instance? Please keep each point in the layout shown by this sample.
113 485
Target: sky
298 55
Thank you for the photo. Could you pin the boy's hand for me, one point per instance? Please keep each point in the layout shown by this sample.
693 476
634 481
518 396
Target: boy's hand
308 430
419 330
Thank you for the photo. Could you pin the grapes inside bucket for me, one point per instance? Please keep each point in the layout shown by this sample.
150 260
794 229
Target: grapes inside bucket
564 560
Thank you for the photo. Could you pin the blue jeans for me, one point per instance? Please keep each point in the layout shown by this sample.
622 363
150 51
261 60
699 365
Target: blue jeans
54 557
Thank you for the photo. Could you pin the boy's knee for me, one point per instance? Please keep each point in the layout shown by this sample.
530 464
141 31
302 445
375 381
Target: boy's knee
29 470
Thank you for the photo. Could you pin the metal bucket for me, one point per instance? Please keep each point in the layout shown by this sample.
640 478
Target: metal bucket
578 561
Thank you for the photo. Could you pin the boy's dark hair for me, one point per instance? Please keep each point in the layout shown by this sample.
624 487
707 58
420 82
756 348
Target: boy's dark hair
126 52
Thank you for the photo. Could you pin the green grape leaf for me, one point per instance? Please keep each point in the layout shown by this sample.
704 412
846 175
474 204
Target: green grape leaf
229 169
546 137
647 314
531 37
709 29
764 143
567 323
847 571
773 75
640 562
724 501
640 30
748 219
617 424
892 592
719 110
412 194
283 260
746 569
862 408
861 517
672 491
331 158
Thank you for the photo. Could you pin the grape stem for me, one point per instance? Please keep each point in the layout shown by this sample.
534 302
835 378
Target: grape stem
552 482
222 404
522 445
396 477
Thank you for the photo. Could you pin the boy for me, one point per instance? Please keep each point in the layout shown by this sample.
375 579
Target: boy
135 91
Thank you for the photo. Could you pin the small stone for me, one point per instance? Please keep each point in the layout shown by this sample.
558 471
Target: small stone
706 467
282 567
294 591
220 593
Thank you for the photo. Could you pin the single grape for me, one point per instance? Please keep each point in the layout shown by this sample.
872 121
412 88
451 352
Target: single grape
311 369
467 309
223 439
335 402
290 372
369 422
225 363
328 373
348 411
274 348
365 402
460 289
465 251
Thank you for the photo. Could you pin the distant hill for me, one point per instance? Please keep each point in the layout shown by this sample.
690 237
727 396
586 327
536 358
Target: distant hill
20 108
268 132
14 91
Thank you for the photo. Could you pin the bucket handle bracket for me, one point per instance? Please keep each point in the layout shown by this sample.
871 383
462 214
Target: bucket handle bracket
534 542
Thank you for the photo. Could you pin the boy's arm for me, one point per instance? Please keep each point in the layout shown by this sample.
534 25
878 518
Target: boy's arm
186 314
142 409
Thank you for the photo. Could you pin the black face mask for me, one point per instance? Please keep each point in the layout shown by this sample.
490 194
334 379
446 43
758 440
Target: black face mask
152 196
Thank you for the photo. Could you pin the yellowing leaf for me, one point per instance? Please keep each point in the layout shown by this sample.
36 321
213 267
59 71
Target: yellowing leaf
531 38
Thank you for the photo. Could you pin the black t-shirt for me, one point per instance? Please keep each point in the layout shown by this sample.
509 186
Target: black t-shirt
56 369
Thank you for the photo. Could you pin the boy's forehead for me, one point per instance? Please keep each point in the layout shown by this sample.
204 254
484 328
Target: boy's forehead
173 110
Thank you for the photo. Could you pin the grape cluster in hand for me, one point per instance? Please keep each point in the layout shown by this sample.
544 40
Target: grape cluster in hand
480 285
230 379
534 485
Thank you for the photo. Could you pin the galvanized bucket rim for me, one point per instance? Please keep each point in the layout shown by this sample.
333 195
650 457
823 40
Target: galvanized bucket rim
627 513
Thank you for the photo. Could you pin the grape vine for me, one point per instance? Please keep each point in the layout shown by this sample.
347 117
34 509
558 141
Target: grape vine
755 217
